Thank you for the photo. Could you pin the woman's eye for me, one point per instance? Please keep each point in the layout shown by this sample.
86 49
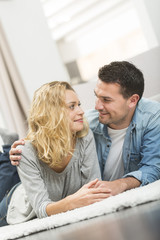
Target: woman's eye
71 107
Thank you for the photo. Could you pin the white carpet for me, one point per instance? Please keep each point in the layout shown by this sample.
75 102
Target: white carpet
129 198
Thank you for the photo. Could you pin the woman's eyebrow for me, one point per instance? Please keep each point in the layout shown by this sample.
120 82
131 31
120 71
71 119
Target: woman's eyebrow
71 102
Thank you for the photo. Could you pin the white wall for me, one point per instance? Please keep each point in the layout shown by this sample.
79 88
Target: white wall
33 49
36 54
149 64
148 13
153 9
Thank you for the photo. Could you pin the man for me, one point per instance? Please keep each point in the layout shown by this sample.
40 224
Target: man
8 173
126 129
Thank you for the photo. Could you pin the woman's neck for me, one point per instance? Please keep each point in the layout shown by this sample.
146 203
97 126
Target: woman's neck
66 159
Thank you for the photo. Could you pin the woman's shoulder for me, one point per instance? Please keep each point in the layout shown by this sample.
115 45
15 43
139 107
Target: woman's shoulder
88 137
90 133
27 148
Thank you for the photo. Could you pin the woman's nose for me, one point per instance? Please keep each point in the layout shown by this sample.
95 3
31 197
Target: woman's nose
80 110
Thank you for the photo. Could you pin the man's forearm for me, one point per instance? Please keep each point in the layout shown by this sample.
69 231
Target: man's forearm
120 185
128 183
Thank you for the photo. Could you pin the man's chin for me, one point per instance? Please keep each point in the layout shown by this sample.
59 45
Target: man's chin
103 120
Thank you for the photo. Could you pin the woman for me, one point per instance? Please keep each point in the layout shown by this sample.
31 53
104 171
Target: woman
58 158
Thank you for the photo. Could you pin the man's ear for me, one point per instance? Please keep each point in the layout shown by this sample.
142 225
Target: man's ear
133 100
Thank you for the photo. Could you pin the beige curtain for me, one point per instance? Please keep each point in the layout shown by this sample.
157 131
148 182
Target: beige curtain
14 101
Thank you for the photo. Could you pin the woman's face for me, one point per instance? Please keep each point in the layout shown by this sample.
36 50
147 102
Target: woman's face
75 113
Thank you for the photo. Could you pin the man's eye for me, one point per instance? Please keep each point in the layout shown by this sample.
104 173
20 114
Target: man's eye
106 100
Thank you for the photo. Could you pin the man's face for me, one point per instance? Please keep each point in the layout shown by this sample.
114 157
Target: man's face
114 110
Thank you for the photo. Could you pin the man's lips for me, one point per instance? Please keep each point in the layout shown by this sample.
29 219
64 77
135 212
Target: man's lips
103 113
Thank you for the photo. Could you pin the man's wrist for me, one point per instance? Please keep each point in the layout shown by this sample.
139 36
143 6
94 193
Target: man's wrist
129 183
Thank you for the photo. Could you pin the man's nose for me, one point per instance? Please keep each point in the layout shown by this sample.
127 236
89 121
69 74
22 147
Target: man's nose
98 104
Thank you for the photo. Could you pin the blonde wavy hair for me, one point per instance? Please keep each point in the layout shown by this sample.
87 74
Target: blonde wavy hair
48 122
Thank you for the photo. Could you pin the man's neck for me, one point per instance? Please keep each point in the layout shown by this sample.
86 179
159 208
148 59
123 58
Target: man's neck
124 123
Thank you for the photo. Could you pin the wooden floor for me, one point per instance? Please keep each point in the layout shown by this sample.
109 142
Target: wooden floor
137 223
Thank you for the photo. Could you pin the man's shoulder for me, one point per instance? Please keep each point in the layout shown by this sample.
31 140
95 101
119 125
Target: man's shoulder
92 117
148 106
147 110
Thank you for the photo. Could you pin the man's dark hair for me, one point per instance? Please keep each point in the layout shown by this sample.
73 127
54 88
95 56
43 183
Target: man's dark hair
129 77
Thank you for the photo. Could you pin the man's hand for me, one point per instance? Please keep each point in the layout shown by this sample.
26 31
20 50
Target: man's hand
14 153
88 194
118 186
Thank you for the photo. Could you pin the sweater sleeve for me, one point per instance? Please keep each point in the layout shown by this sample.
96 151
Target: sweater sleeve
90 169
30 174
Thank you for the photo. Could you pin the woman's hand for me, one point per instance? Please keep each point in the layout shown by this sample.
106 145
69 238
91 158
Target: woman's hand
88 194
14 153
85 196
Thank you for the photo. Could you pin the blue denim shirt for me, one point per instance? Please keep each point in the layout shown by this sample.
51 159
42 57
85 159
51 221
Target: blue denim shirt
141 148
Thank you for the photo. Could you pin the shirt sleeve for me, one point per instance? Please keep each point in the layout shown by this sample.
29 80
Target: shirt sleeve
149 166
30 175
90 169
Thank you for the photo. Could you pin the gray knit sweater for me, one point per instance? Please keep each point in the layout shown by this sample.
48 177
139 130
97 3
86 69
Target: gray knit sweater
43 185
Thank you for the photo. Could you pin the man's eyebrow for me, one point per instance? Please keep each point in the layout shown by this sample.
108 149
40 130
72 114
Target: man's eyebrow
106 97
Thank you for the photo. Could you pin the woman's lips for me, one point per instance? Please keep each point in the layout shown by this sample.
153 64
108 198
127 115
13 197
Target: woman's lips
78 120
